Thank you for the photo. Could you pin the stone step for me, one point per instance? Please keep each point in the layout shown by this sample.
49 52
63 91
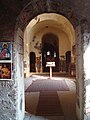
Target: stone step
33 117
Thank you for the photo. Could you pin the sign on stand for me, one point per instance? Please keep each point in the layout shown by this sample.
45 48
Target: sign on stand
50 64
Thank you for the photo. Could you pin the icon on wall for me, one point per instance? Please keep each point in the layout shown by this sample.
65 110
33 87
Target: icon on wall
5 71
5 50
5 60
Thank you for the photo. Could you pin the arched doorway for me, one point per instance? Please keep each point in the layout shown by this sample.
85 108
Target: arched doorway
32 17
52 43
32 62
50 51
31 10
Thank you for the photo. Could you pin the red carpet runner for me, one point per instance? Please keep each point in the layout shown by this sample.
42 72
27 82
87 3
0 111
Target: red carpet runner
49 104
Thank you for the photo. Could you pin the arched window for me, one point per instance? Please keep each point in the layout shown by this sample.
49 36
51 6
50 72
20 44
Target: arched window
50 49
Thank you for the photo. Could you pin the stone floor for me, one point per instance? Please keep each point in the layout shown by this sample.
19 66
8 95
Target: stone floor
67 100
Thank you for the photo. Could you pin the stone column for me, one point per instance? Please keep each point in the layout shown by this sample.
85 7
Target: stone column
82 70
19 72
79 73
86 59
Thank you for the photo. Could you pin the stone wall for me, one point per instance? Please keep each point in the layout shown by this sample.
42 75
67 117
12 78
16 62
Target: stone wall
18 58
86 51
11 95
8 97
36 7
83 69
8 88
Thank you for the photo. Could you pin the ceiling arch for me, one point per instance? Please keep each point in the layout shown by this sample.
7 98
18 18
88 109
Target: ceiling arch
37 7
12 11
51 20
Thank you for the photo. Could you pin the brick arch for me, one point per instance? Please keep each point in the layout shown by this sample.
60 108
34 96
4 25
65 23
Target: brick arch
37 7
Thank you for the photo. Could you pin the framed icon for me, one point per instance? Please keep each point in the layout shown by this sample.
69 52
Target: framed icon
5 71
5 51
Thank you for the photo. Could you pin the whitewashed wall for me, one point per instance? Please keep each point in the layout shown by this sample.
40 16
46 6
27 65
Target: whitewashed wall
31 40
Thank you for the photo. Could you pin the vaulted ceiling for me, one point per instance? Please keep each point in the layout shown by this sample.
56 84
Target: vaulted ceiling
10 9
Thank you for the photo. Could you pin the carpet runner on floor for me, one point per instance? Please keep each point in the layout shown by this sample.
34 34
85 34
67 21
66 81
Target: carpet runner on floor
49 104
47 85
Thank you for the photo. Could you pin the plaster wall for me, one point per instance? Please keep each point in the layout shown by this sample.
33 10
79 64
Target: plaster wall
32 39
26 55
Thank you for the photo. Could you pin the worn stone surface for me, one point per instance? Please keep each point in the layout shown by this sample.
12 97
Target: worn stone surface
86 84
72 9
36 7
7 100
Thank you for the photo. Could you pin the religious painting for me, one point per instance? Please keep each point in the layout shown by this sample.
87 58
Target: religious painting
5 50
5 71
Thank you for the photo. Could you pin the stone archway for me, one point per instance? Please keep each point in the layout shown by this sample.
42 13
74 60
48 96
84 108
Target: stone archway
36 7
29 12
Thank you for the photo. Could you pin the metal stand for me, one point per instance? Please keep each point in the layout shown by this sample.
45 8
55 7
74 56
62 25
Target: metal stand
50 72
50 64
